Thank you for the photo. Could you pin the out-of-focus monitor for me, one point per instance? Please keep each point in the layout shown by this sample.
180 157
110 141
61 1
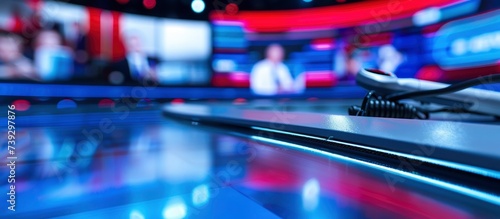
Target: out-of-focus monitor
438 40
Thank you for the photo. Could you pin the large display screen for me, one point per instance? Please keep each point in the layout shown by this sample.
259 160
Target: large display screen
56 42
275 52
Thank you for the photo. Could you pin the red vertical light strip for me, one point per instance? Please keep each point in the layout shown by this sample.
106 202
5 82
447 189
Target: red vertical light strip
118 50
94 33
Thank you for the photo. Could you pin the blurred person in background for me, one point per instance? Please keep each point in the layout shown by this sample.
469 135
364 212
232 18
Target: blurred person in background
53 61
357 59
271 76
79 43
13 64
136 66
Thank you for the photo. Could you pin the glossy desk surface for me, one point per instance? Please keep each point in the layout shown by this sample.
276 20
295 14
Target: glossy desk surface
142 165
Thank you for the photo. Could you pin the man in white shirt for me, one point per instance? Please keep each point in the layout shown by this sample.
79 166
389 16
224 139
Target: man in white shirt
270 76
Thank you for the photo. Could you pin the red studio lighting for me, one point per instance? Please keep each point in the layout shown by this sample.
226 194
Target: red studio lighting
106 103
177 101
149 4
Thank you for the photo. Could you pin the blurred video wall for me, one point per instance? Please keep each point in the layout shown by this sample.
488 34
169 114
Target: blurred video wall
56 42
269 52
438 40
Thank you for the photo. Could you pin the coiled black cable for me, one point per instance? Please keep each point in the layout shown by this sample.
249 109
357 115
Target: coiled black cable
376 106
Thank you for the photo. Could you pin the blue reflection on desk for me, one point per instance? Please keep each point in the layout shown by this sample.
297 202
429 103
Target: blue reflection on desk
150 167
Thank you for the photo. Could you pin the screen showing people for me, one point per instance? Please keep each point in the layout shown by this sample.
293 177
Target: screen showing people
57 42
312 47
13 63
